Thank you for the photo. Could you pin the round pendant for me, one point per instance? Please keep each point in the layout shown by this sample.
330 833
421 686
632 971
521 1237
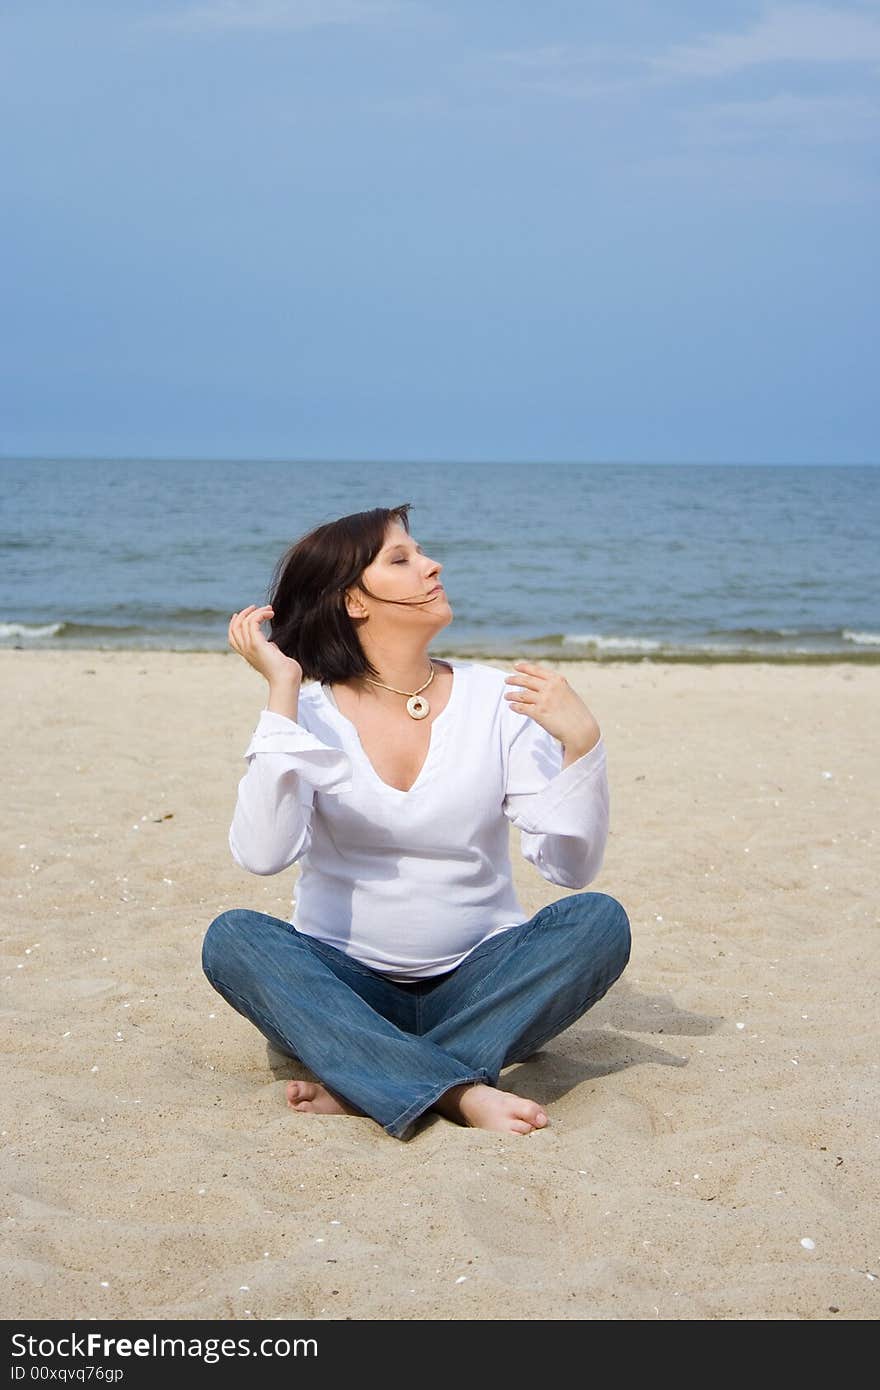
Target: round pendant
418 706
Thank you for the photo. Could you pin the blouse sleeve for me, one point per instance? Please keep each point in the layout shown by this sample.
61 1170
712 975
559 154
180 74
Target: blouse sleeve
271 824
563 814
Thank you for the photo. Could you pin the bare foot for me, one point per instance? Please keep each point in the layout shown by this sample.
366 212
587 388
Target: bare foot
312 1096
485 1107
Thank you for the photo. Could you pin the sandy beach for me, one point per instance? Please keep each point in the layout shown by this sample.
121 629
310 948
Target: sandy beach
712 1148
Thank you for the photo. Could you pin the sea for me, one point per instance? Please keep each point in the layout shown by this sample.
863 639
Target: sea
543 561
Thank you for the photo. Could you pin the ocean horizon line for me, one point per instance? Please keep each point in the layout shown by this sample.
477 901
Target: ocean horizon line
428 459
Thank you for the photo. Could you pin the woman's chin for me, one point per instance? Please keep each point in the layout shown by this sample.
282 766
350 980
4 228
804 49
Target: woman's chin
443 617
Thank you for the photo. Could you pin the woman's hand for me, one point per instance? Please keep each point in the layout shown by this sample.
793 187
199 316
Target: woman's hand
266 657
547 697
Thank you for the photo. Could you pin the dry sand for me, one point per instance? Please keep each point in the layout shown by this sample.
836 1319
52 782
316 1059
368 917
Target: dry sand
717 1109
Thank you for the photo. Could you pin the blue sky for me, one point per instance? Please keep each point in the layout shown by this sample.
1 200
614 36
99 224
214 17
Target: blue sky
389 229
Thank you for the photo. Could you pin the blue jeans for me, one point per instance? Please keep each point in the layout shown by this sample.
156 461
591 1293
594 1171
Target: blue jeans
391 1049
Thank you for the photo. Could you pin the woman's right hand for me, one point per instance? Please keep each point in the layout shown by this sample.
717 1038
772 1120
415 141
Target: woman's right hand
246 637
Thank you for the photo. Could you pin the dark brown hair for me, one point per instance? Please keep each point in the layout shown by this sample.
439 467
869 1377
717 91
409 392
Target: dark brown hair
307 593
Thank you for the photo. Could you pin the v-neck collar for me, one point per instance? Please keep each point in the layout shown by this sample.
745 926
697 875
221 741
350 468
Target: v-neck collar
439 723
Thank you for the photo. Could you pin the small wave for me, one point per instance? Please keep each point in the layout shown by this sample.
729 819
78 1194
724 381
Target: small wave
30 630
73 631
745 642
764 634
595 639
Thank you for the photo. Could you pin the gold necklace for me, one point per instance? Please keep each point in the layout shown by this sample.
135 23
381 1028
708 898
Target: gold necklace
416 705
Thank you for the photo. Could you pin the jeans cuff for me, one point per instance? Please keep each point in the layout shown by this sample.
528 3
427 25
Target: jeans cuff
396 1128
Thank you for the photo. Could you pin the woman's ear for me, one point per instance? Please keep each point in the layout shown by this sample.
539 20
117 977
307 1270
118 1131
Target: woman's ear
354 604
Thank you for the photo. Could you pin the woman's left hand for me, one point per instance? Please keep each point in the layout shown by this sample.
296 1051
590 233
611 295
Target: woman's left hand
547 697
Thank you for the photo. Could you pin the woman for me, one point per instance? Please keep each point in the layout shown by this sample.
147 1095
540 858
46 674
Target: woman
406 979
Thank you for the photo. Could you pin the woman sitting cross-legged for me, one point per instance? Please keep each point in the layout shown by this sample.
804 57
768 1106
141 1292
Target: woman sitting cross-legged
407 979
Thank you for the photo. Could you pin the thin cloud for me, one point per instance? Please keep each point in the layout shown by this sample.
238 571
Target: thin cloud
219 15
767 147
786 34
755 176
565 70
815 120
556 57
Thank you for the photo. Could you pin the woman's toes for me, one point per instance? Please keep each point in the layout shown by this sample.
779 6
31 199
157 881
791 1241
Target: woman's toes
532 1113
300 1091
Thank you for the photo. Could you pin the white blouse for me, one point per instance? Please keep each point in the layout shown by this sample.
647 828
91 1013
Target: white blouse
408 883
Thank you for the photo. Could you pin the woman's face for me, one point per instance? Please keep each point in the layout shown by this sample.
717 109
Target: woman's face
403 574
